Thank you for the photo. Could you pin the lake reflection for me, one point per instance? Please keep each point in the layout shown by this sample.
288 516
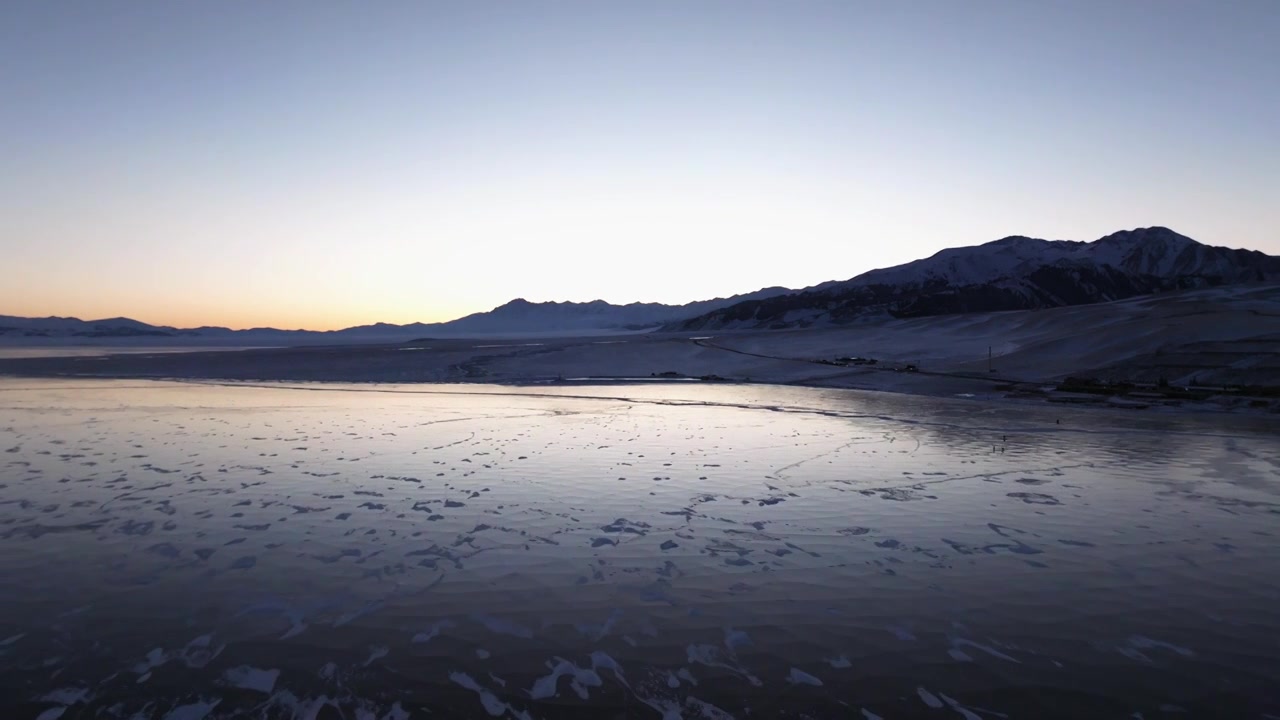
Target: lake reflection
187 551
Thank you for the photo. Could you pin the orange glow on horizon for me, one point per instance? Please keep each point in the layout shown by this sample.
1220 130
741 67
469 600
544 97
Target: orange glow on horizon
239 319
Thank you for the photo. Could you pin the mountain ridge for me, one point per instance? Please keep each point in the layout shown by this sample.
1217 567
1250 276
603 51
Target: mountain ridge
1012 273
518 316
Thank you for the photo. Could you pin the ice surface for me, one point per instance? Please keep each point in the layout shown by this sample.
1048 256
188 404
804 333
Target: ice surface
434 552
192 711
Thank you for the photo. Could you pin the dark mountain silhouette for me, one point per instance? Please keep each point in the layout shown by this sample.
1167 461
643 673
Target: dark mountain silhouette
1014 273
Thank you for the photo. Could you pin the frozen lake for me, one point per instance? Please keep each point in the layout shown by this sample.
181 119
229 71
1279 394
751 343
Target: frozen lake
183 551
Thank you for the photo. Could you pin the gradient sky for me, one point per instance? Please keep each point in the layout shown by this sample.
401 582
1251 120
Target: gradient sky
323 164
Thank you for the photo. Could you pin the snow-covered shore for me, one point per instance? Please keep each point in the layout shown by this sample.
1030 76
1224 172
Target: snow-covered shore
1209 338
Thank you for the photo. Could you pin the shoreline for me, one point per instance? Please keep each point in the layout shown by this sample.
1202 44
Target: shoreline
1178 353
1043 400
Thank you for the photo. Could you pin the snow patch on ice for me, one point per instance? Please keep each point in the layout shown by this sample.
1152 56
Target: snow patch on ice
192 711
432 632
713 656
928 698
252 678
956 643
68 696
490 702
800 677
195 654
581 679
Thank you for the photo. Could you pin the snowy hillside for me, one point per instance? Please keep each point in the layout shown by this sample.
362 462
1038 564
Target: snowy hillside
1008 274
1146 251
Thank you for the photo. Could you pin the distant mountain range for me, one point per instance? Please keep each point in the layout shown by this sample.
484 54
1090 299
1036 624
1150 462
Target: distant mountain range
1014 273
518 317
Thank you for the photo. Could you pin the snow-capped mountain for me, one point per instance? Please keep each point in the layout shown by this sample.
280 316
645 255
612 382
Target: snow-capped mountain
1013 273
1154 251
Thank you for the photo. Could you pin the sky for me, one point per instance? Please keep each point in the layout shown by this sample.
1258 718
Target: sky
326 164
